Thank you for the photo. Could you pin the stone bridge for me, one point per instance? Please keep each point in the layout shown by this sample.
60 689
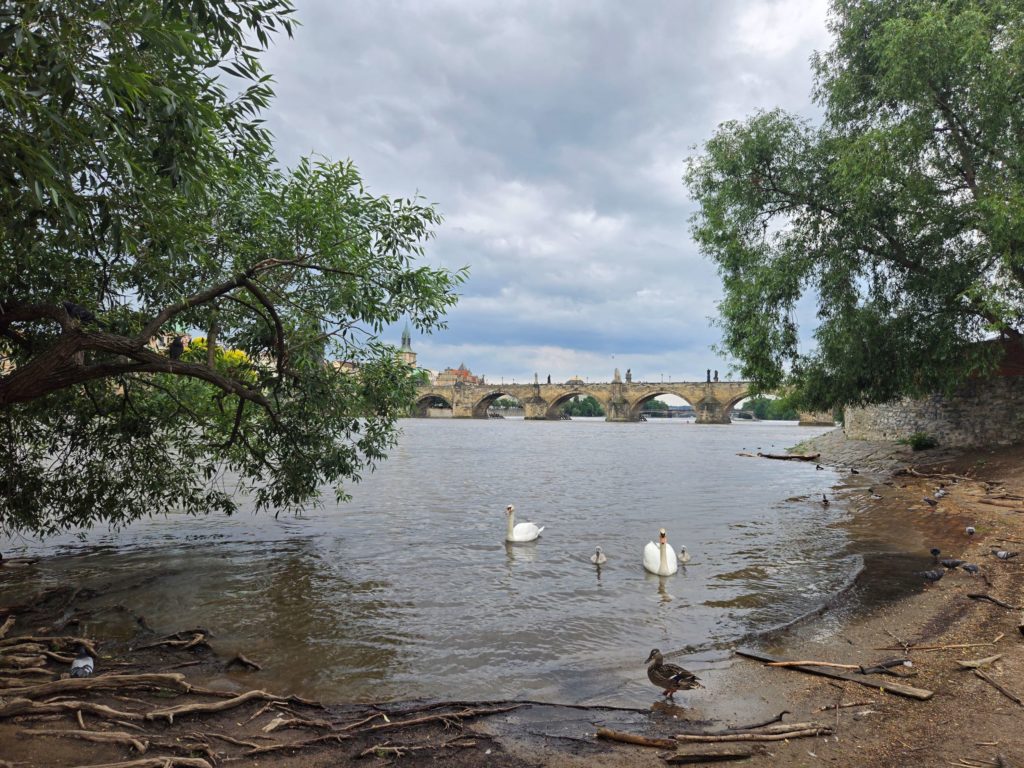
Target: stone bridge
622 401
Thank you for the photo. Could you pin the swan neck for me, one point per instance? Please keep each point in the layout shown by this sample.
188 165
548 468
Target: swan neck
664 556
511 523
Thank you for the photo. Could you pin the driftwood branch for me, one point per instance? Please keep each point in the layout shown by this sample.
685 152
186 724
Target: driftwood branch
900 690
241 660
790 456
460 715
21 706
214 706
635 738
6 626
705 738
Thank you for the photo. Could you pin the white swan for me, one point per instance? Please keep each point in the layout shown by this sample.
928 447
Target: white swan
660 558
521 532
684 556
599 557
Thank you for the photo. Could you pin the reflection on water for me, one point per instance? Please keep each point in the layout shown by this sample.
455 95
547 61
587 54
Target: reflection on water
410 590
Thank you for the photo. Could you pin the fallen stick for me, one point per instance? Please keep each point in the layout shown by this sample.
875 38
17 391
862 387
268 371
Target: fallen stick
847 704
198 639
6 626
944 475
812 663
998 687
1000 603
165 761
901 690
635 738
687 758
821 730
102 683
100 737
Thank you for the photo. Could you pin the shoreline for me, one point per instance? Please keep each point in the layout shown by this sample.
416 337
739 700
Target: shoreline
852 627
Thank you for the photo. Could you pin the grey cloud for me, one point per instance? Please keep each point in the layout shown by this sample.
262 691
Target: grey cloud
553 138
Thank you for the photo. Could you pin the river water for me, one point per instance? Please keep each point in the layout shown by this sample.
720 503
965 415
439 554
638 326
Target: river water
410 591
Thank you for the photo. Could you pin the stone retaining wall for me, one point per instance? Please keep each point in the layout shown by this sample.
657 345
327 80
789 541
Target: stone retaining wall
984 412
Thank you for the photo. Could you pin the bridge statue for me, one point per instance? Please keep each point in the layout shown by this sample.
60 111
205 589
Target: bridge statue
712 401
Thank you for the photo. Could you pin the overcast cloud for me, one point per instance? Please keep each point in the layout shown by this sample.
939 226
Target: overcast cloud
552 136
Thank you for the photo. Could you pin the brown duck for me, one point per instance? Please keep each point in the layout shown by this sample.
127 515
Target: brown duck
671 677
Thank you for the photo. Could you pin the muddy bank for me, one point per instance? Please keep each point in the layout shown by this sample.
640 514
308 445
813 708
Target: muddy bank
889 612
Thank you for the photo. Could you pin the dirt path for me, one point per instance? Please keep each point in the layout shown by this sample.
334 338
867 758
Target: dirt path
967 721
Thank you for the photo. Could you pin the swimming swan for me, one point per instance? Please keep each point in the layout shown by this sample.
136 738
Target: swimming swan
599 557
521 532
684 556
660 558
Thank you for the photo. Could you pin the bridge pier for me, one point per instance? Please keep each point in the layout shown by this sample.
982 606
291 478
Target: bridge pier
711 411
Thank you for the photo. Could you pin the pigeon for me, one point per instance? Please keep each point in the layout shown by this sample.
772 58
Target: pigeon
951 562
931 576
1002 554
854 471
929 501
599 557
970 530
940 493
971 568
175 348
82 665
935 553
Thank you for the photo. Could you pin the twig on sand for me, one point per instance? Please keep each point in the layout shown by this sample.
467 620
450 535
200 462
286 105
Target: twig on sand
998 687
864 703
1000 603
951 647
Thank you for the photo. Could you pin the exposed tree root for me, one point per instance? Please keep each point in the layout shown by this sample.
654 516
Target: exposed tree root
155 762
102 737
216 706
335 737
170 680
21 706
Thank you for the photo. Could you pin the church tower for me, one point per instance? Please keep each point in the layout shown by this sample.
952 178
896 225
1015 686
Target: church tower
406 354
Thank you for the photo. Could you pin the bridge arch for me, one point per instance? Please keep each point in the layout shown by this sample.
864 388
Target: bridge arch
427 400
556 401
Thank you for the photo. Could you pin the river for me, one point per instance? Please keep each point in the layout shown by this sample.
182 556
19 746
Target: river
410 591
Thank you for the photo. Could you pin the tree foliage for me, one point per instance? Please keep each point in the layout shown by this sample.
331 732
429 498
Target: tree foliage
139 194
772 409
582 406
901 214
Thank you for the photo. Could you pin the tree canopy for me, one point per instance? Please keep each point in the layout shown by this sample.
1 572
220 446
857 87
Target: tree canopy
141 198
901 214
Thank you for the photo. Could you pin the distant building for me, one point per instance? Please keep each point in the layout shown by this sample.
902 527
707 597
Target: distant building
455 375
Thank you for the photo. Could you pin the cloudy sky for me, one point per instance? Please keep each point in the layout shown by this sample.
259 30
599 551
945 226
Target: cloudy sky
552 136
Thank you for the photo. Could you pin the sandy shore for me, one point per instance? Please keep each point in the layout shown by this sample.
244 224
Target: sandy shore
967 721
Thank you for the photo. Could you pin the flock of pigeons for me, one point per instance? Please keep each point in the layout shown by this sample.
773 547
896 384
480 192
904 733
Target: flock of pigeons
951 563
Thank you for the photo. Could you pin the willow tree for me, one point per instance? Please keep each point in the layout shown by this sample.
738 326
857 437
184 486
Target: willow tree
139 194
901 214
